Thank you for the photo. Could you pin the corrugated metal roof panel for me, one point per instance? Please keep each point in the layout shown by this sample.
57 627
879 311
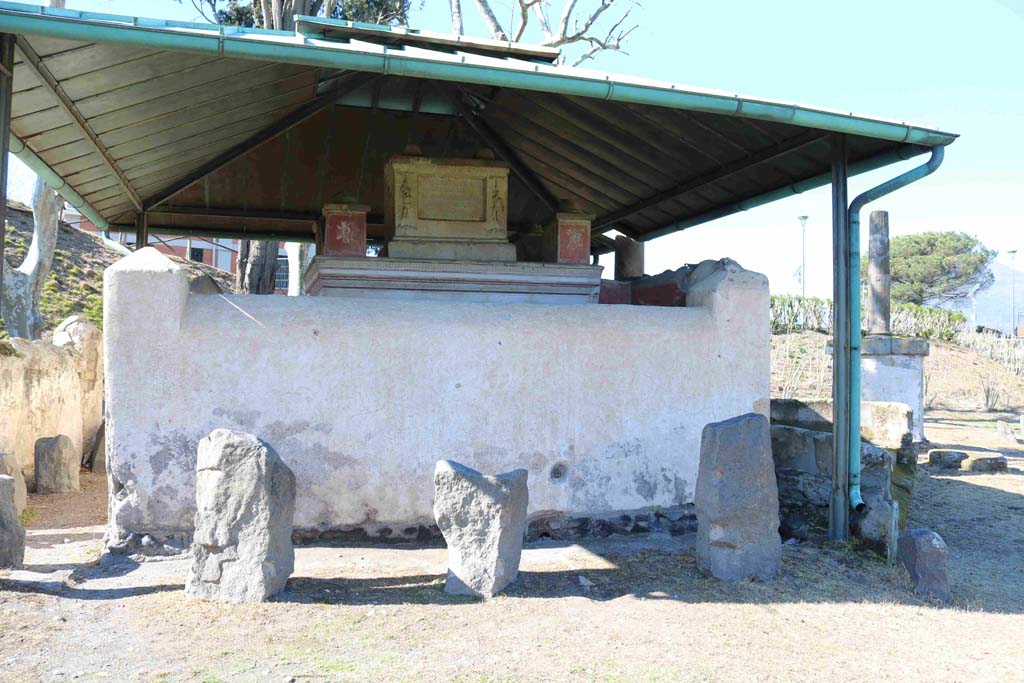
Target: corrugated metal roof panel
131 111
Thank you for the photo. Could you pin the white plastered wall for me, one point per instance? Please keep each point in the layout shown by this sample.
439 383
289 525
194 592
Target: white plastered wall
362 398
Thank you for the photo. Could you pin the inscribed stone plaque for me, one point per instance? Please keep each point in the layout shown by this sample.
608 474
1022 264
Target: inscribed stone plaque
450 209
452 199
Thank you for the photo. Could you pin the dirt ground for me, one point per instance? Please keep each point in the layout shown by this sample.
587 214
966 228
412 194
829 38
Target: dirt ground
378 613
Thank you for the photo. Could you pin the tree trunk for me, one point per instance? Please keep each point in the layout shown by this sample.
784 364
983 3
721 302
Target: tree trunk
298 259
23 286
492 21
257 267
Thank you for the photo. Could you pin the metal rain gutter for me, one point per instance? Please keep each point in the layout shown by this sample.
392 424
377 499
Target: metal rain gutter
235 42
889 186
39 167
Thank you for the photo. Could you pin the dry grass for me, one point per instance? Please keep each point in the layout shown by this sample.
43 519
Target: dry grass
800 368
955 377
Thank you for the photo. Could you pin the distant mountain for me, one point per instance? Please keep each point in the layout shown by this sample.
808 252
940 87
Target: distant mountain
995 303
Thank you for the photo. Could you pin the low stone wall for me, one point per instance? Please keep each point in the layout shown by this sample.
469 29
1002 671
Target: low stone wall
51 388
604 405
802 448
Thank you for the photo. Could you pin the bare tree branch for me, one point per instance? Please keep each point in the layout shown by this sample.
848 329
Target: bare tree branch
198 4
524 11
612 41
542 19
563 22
456 6
492 21
580 32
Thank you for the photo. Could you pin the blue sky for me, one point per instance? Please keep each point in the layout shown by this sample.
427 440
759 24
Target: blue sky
958 66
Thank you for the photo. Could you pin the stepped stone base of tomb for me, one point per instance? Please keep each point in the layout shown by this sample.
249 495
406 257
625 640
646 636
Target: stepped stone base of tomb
479 281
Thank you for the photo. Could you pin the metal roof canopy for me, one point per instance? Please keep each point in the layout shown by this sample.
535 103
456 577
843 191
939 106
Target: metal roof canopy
227 131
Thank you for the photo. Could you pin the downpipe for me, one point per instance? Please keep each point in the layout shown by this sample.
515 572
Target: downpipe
899 182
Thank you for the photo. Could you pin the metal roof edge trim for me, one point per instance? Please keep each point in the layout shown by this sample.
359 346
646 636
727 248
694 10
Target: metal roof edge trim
18 18
799 187
39 167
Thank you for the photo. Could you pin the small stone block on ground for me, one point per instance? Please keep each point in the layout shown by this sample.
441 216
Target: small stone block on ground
9 468
12 535
946 459
737 501
483 520
245 499
925 555
57 465
990 464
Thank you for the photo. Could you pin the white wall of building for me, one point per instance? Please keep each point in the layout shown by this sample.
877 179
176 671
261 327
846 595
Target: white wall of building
362 398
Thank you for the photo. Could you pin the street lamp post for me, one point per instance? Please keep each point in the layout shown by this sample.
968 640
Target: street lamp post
1013 292
803 255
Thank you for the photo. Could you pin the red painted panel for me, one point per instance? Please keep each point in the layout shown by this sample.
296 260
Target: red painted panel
574 242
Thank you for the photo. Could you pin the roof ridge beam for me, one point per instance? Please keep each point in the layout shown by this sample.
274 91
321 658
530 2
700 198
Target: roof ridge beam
35 62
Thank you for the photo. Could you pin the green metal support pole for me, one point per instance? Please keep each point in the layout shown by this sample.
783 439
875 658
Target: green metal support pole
839 505
853 435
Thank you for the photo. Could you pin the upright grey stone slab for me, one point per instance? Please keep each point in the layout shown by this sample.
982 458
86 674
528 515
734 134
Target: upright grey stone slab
12 535
245 498
57 465
483 520
737 500
9 468
925 555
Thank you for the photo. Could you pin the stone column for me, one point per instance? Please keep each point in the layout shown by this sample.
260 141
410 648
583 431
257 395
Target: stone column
569 238
345 229
879 280
629 258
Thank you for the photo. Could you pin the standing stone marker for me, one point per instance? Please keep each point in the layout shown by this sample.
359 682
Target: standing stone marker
9 468
245 498
57 465
12 535
737 500
483 520
924 554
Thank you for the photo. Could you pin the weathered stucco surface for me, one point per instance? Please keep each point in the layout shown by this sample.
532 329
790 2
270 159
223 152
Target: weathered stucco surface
48 389
896 379
604 405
